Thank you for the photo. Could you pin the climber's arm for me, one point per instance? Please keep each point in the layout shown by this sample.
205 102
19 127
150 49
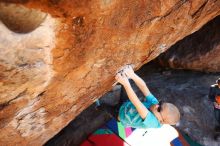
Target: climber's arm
138 81
142 110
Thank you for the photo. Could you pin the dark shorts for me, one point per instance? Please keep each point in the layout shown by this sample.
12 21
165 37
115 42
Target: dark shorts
217 115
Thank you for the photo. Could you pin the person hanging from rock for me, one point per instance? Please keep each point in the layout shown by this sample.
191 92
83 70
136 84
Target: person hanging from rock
147 114
214 96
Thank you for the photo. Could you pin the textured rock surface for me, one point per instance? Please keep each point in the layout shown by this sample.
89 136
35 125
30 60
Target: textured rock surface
21 19
49 75
199 51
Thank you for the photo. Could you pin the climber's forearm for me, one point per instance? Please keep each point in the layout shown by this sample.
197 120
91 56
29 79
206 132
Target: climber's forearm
141 84
142 110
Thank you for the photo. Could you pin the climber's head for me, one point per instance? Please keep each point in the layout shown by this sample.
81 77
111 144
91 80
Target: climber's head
167 113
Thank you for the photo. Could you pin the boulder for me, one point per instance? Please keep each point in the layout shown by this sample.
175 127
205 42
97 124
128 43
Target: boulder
58 64
199 51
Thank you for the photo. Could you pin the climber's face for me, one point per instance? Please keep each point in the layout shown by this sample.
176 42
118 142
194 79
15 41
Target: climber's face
160 111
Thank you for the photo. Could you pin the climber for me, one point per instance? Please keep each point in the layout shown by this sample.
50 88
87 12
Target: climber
214 96
147 114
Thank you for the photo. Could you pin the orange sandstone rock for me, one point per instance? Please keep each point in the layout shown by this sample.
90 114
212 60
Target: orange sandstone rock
56 65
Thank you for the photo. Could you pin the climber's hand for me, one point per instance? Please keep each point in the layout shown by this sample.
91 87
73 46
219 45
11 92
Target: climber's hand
129 72
122 78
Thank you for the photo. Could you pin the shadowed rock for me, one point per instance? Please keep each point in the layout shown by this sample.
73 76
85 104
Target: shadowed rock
19 18
199 51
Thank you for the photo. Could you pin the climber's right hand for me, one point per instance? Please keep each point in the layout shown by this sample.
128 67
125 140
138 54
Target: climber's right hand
122 79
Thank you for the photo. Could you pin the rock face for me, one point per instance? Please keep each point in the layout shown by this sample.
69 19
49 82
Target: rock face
62 61
20 19
199 51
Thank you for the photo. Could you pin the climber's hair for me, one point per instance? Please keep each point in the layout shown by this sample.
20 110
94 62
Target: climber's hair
173 114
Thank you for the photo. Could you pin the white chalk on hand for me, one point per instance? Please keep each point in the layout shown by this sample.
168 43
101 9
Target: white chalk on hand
121 70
